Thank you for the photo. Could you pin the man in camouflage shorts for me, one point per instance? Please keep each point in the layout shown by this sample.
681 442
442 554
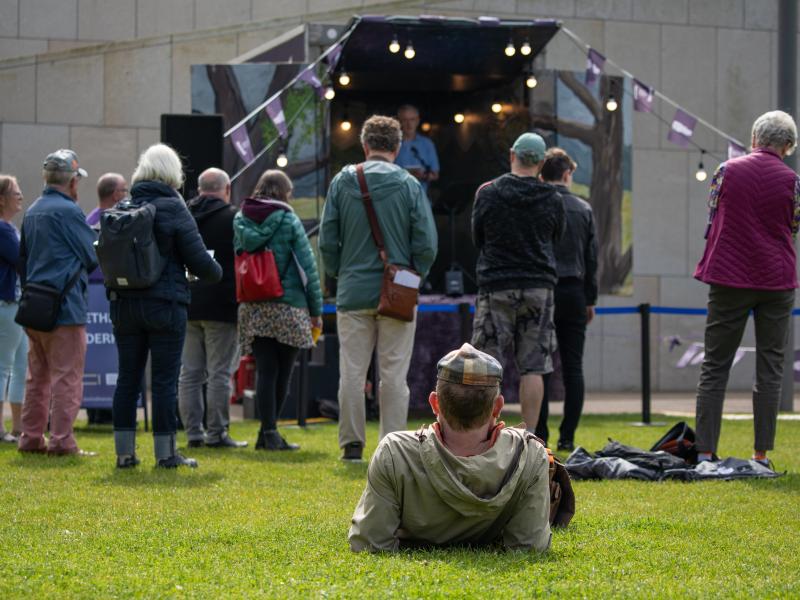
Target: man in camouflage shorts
516 219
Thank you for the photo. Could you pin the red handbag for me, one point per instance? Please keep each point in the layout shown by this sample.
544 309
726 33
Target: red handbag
257 277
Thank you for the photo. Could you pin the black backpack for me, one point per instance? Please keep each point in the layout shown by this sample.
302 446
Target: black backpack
126 249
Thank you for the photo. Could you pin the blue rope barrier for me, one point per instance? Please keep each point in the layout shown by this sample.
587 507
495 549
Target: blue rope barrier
330 309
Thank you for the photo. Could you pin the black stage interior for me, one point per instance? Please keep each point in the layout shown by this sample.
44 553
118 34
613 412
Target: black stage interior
459 67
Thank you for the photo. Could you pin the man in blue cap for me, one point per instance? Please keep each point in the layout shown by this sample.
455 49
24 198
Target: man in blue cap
57 250
516 220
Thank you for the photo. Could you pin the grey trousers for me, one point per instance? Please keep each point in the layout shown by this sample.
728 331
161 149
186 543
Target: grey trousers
210 355
728 309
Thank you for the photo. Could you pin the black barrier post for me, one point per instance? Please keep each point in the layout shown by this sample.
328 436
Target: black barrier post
466 326
644 312
302 393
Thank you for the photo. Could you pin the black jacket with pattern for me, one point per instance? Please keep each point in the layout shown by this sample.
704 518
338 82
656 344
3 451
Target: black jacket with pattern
516 222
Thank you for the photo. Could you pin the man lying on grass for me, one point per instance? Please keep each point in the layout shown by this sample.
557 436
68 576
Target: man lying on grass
466 479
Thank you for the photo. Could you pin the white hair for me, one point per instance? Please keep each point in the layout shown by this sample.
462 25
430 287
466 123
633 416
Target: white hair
159 163
213 180
775 129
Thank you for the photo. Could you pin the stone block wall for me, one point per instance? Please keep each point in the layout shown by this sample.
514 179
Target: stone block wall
96 75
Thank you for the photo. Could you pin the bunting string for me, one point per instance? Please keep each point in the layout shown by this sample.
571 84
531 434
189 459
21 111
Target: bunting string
334 50
272 143
685 119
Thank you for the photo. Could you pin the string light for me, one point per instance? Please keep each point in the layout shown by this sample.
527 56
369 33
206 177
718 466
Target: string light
531 81
394 45
701 174
345 125
282 160
410 52
526 49
497 107
510 50
330 93
458 118
344 79
426 127
611 104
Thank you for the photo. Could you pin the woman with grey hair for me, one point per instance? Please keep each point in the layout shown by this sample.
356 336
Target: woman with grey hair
750 264
153 320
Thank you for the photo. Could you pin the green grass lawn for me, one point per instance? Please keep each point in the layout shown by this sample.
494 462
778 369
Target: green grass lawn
252 524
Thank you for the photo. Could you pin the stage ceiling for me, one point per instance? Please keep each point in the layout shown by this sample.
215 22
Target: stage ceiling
451 54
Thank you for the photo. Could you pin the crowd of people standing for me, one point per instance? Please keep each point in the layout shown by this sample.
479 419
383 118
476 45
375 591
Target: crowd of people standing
536 275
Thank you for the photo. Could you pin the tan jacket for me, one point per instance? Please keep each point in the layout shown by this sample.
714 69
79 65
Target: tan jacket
419 492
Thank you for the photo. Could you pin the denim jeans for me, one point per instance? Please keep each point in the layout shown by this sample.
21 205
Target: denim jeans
13 355
570 321
157 326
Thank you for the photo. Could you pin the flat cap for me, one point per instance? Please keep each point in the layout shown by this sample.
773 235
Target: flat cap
64 160
469 366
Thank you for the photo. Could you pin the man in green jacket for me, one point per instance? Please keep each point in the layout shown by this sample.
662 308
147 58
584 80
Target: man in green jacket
464 480
350 255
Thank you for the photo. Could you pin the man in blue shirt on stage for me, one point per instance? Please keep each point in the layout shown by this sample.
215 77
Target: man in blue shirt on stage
417 153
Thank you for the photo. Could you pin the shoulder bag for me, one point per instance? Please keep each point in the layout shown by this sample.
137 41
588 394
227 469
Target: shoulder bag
400 285
40 304
257 277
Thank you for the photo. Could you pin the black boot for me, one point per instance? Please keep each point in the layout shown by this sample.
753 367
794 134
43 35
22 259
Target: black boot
272 440
167 456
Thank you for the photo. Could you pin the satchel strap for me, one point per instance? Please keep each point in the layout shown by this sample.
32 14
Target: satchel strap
71 282
377 236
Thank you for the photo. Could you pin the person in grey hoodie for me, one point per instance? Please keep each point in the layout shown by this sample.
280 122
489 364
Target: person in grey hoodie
466 479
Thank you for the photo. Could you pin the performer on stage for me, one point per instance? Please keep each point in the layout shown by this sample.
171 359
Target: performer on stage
417 152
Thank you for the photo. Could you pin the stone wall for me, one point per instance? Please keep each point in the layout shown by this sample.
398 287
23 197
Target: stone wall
717 58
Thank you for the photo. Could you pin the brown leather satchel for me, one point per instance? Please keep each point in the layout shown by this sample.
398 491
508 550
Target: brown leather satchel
397 300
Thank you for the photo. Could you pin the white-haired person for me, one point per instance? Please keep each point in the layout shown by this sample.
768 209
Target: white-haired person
153 320
750 264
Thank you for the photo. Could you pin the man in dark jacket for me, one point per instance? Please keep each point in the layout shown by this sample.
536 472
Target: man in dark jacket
575 294
516 220
210 351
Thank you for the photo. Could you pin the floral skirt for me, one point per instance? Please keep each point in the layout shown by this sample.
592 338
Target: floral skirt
286 324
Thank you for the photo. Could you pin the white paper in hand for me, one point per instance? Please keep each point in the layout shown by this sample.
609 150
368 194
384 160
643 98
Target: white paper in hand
407 279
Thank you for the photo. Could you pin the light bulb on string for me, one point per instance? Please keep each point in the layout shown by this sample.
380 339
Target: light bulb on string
282 160
510 50
531 81
344 79
410 52
330 93
458 118
611 104
497 108
394 45
426 127
525 49
701 174
345 125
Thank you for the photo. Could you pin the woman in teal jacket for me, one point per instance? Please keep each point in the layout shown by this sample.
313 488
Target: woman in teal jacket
274 331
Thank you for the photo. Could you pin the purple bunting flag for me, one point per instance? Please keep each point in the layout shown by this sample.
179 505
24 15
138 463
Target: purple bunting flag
594 65
735 150
642 97
241 143
275 112
333 56
682 128
311 79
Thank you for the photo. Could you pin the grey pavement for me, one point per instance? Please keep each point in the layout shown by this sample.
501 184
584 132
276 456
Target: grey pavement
676 404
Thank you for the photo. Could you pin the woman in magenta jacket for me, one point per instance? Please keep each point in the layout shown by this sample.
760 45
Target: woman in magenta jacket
750 264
